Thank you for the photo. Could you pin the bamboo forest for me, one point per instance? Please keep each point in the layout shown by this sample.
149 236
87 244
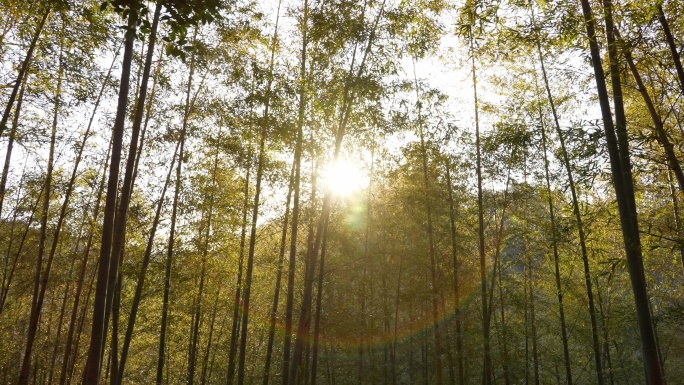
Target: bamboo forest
302 192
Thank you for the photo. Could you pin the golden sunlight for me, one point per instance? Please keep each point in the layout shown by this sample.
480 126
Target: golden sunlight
344 177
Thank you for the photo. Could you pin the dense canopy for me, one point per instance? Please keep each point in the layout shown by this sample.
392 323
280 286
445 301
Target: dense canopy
341 192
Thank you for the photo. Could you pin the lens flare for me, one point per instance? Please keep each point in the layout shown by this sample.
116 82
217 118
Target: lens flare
344 177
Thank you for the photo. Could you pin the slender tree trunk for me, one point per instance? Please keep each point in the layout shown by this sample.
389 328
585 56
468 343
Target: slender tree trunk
319 303
487 367
20 248
22 71
578 221
10 146
143 269
235 330
194 333
395 339
504 336
661 134
556 258
606 335
457 295
287 360
7 275
161 355
41 277
676 216
7 268
81 323
205 360
345 111
67 358
624 187
98 330
673 47
431 241
118 244
255 214
60 319
533 317
276 294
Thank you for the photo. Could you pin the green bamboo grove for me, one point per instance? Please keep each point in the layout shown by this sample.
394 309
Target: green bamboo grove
303 192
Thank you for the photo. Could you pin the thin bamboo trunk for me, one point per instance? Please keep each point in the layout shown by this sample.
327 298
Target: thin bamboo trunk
661 134
10 145
287 359
487 361
556 258
143 269
22 71
578 217
67 358
618 150
98 330
235 330
276 294
431 240
42 274
118 243
319 304
195 331
457 295
255 214
345 111
673 47
504 336
533 318
205 360
161 355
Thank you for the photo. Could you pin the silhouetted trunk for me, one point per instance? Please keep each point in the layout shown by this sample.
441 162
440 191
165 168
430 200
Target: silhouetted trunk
287 360
618 150
503 334
205 360
8 267
235 330
676 216
556 258
395 339
276 294
118 243
22 72
533 317
143 269
161 355
578 220
10 146
660 133
60 319
673 46
195 330
97 338
8 270
67 359
487 361
255 215
606 334
41 277
312 254
431 241
319 303
457 295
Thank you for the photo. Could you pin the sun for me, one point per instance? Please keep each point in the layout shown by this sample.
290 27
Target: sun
344 177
